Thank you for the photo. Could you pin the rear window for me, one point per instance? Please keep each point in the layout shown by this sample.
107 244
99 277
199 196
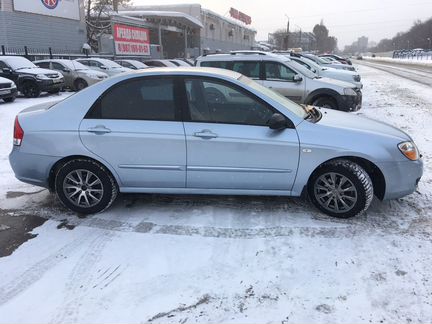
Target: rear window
216 64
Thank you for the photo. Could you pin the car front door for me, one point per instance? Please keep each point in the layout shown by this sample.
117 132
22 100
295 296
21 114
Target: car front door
229 145
136 127
281 78
67 73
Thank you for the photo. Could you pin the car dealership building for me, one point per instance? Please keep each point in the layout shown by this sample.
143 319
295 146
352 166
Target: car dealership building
40 24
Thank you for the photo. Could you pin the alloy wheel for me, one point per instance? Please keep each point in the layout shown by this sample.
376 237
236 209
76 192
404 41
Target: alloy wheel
83 188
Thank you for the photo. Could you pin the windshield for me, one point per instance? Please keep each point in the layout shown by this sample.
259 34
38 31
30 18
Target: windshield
300 68
311 63
17 63
137 64
288 104
110 64
317 59
74 65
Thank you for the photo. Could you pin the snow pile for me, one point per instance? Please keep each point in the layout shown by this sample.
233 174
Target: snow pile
413 61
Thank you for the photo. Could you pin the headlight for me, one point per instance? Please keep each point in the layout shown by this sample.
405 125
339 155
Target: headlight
356 78
409 149
42 77
13 85
92 76
350 92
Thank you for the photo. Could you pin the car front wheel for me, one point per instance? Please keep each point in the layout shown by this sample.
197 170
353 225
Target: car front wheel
85 186
325 102
30 89
341 188
10 99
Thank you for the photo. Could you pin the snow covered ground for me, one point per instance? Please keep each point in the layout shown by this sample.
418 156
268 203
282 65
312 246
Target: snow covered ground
408 61
181 259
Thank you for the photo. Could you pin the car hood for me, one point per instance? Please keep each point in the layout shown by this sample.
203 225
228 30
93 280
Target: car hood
362 124
36 71
92 72
335 82
340 71
4 80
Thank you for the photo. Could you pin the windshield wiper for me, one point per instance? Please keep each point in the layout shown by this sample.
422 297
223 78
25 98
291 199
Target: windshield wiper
25 67
312 113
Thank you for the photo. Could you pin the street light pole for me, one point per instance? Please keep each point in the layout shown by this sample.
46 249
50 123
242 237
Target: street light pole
287 33
429 39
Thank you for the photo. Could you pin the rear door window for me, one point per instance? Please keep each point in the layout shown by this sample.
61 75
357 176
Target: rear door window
250 69
138 99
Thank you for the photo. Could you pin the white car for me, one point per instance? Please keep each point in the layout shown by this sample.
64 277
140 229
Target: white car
8 90
329 72
103 65
326 63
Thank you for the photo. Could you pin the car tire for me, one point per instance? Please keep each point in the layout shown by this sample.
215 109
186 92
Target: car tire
325 102
80 84
85 186
30 89
10 99
341 188
54 91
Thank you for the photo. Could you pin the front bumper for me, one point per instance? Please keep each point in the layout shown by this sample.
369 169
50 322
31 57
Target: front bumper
48 85
350 103
401 178
8 93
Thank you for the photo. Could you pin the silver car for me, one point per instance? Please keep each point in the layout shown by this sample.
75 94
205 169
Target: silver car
76 75
208 131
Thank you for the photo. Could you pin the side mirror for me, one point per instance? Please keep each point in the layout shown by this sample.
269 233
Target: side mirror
103 67
277 121
297 78
6 70
66 70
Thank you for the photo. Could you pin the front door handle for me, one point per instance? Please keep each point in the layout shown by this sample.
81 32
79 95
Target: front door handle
205 133
99 129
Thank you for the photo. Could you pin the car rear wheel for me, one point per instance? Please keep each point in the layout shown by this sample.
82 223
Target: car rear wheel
30 89
85 186
80 84
341 188
325 102
10 99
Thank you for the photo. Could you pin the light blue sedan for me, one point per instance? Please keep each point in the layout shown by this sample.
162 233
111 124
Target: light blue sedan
208 131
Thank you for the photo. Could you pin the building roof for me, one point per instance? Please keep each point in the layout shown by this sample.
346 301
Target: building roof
179 16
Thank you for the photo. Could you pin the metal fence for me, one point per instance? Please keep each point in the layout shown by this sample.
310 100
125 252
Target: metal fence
413 54
50 53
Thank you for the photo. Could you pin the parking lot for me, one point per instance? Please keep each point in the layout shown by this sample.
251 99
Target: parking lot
177 259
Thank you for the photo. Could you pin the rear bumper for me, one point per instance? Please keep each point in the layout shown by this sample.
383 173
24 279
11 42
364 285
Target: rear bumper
401 177
31 168
350 103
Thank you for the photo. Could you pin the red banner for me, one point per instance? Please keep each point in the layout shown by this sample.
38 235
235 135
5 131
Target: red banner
240 16
131 40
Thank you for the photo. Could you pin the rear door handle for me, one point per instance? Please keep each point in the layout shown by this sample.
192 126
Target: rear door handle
205 133
99 129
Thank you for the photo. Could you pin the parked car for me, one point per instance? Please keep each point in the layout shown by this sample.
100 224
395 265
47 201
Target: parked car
179 62
8 90
332 73
241 139
338 58
160 63
77 76
132 64
288 78
30 79
326 63
103 65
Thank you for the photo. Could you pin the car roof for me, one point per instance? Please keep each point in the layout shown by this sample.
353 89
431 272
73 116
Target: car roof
246 56
184 70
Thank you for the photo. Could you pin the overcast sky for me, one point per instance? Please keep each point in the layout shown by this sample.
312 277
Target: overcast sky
347 20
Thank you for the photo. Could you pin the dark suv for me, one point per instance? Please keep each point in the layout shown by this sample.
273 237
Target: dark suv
30 79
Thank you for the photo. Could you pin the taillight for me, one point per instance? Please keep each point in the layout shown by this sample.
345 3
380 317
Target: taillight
18 133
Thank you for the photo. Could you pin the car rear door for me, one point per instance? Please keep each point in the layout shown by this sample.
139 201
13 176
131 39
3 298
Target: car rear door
229 145
280 78
136 127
